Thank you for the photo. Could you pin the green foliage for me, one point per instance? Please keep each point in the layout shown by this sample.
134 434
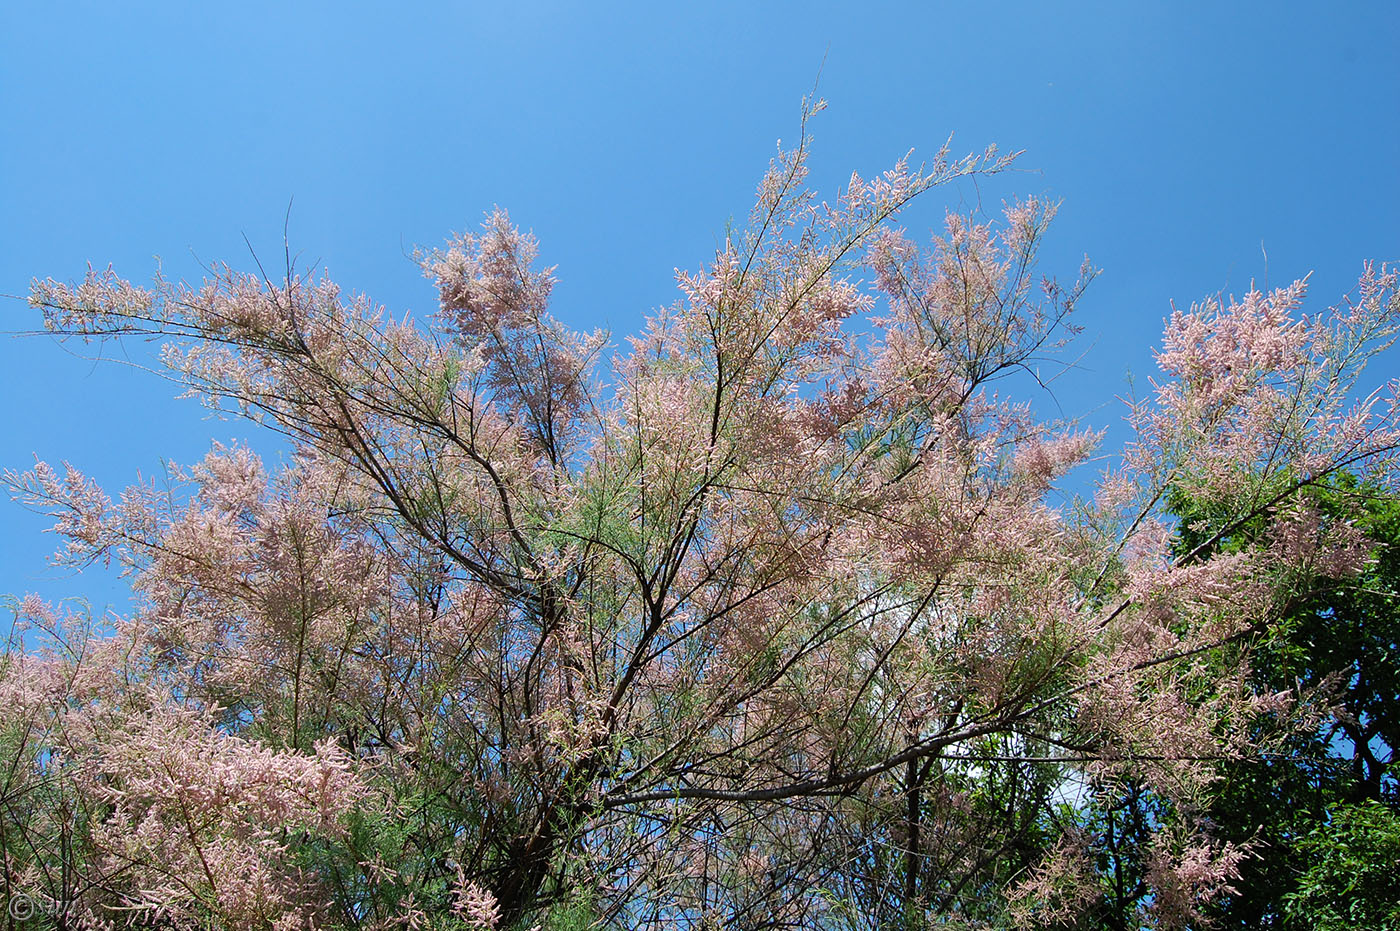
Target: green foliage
1337 645
576 913
1317 804
1350 878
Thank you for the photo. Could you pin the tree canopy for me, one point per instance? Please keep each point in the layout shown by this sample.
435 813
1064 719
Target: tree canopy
778 615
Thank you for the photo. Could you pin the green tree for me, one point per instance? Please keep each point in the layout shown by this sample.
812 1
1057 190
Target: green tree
1316 804
1338 645
1349 881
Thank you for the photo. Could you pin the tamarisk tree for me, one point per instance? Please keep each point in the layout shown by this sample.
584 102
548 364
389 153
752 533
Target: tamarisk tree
772 616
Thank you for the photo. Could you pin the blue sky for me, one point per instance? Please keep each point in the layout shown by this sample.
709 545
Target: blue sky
1186 140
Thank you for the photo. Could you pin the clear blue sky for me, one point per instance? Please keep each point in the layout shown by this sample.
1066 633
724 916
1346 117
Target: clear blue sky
1180 136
